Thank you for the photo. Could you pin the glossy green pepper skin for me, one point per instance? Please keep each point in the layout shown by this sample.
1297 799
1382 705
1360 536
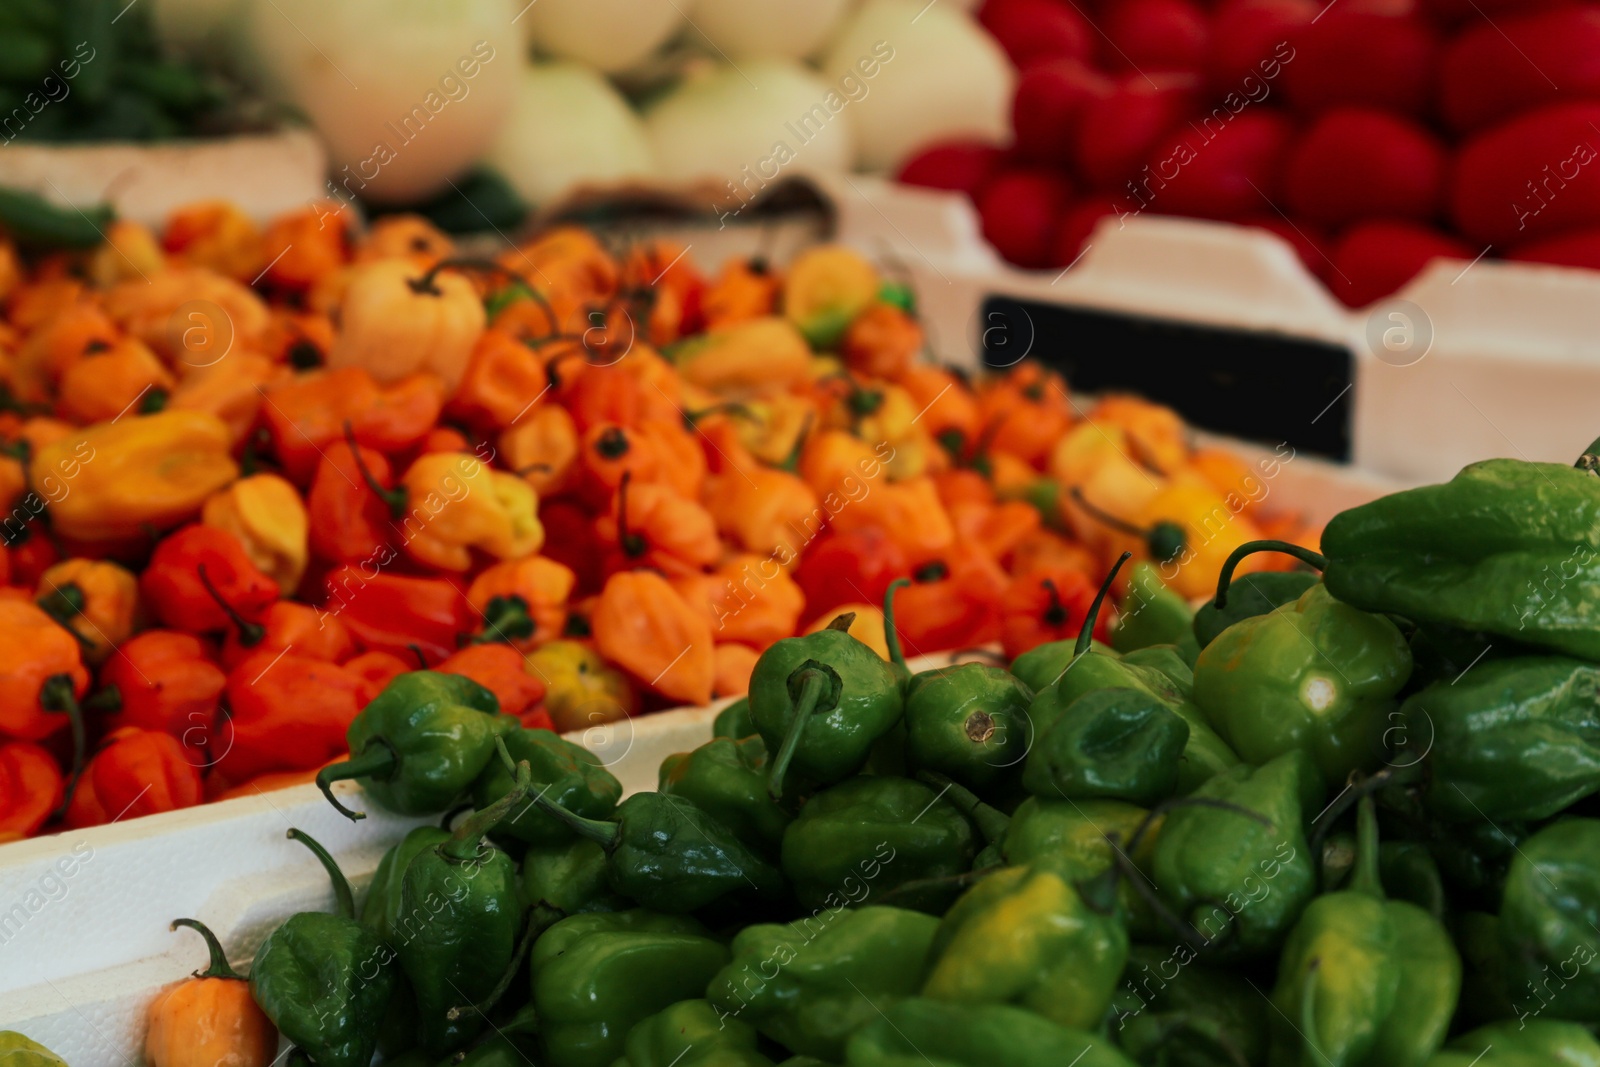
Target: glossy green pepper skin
733 721
1112 744
596 976
325 980
1028 938
420 743
970 722
727 780
1364 981
809 985
1151 614
566 773
1317 675
470 897
690 1034
819 702
872 835
569 879
666 854
1533 1043
1249 595
497 1050
1168 660
1069 838
1511 739
918 1032
1171 1011
1548 920
1237 879
1505 547
380 911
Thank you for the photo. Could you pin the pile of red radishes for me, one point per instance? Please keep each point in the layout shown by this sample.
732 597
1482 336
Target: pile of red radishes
1374 135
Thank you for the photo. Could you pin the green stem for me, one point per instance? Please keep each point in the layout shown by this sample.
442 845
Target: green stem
344 900
466 839
1364 878
218 967
531 929
393 499
791 462
250 633
377 760
1250 548
891 634
814 683
990 821
601 832
56 694
504 619
1092 616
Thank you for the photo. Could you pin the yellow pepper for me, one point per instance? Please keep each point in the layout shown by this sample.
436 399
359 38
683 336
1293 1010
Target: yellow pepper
760 354
119 479
95 599
396 319
774 426
542 446
455 504
268 517
130 252
581 691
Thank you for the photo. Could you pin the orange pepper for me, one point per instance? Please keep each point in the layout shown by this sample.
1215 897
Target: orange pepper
867 626
767 511
189 315
167 682
457 504
1156 434
1044 548
95 599
289 624
734 665
745 289
523 601
1047 604
832 461
597 395
350 520
136 772
500 669
608 453
268 517
952 602
964 486
31 787
130 250
998 529
571 268
209 1019
216 235
32 303
680 459
1232 477
946 408
645 627
41 675
308 413
410 236
652 526
754 601
910 511
882 342
306 246
230 389
1025 413
542 447
502 381
674 287
64 337
298 338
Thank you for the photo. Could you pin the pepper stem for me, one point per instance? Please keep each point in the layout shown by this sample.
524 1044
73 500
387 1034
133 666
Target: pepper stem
218 967
1364 878
1105 518
1092 616
891 633
1590 460
1249 548
990 821
815 681
377 760
466 840
633 544
250 633
531 929
504 619
56 694
602 832
344 900
393 499
1055 612
791 462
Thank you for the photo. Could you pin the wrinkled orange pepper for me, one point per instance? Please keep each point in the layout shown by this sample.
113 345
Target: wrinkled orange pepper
268 517
645 627
503 381
308 413
455 503
523 601
652 526
96 599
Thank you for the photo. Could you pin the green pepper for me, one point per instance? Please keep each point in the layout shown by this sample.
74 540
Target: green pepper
1318 675
917 1032
380 911
1150 614
568 774
1071 839
1526 1043
420 743
1028 938
876 835
733 721
497 1050
665 853
819 703
1485 993
1505 547
1364 981
470 896
1548 922
1409 873
690 1034
1173 1012
1241 879
596 976
1249 595
1113 744
1046 665
16 1050
727 780
1166 659
325 980
809 985
569 879
33 221
1509 740
968 721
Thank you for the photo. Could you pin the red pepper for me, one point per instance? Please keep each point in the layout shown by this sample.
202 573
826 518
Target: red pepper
538 719
391 612
569 540
168 683
30 788
1044 605
349 522
136 772
289 712
291 624
501 670
952 602
849 568
200 579
379 669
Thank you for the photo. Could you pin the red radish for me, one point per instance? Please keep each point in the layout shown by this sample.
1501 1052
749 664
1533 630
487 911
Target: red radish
1535 176
1154 35
1118 132
1303 236
1354 164
1051 97
1038 29
1080 222
1376 258
1581 248
1021 210
1251 39
1361 57
960 166
1493 71
1216 169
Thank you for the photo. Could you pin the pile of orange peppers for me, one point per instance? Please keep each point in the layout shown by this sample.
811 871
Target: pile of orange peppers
248 475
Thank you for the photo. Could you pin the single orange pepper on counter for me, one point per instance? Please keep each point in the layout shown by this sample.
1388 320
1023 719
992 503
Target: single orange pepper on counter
209 1019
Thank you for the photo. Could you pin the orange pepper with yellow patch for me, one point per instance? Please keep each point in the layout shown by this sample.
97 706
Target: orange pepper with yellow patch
95 599
269 518
523 601
455 503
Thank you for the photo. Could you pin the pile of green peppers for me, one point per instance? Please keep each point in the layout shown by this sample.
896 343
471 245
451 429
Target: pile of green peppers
1341 816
